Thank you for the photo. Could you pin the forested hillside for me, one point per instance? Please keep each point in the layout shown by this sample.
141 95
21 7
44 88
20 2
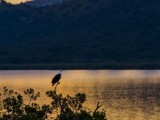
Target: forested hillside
81 31
42 3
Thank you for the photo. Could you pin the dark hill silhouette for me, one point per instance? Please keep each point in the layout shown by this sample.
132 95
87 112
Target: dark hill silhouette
41 3
81 31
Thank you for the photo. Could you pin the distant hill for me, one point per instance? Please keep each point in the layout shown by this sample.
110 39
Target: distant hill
41 3
81 31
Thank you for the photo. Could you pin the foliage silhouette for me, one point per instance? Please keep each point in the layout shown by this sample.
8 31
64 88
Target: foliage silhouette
13 107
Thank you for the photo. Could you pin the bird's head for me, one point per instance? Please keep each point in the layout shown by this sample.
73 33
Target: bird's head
60 71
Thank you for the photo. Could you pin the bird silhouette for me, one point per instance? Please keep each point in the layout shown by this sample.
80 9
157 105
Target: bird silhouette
56 78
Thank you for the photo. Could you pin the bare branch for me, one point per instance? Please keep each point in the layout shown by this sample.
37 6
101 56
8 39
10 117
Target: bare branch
56 86
98 106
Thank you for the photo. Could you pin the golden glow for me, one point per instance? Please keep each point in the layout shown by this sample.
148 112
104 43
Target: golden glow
16 1
126 95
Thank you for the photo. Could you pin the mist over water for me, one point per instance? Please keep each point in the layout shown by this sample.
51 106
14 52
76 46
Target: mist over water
125 94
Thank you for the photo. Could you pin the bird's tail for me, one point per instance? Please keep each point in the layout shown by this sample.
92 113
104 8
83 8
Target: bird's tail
53 84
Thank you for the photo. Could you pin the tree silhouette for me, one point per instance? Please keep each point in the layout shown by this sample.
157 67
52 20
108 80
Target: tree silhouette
61 108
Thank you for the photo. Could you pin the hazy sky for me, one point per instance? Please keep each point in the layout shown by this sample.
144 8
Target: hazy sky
16 1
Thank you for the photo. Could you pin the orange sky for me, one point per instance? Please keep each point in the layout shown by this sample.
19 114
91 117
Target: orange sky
16 1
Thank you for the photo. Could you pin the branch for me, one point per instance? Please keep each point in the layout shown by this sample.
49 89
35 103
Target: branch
56 86
98 106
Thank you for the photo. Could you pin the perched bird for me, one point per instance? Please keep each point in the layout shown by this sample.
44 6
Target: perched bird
56 78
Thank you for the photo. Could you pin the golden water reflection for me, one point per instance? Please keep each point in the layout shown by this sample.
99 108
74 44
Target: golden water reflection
125 94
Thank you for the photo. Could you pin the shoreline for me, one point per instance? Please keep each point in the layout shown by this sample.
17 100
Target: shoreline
82 66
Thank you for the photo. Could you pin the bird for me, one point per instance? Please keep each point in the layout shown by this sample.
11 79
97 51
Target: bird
56 78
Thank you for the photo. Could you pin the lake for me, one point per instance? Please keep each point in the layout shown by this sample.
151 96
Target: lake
125 94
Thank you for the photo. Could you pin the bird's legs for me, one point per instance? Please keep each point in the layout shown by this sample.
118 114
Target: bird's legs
56 86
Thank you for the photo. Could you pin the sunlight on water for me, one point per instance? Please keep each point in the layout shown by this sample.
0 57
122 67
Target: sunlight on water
125 94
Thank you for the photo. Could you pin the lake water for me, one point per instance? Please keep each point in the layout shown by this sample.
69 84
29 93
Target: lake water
125 94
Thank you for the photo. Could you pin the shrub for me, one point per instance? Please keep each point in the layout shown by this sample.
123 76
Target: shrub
61 108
